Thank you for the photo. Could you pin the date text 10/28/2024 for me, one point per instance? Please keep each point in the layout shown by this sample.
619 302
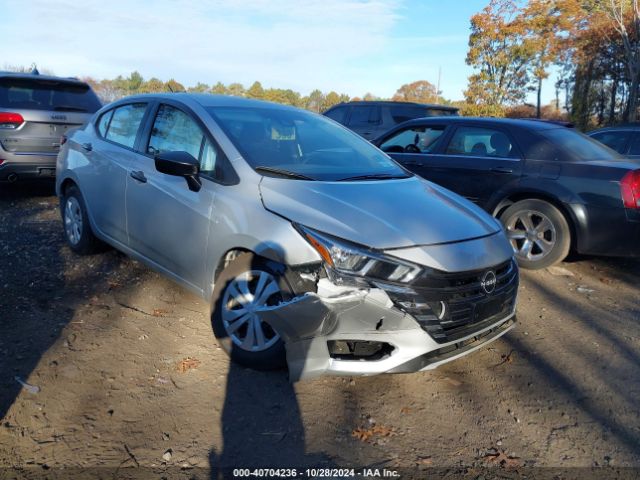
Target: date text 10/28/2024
315 472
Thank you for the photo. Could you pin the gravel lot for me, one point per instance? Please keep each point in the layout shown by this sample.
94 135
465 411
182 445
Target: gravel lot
121 370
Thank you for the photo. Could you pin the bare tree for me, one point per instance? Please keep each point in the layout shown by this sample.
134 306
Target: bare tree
628 27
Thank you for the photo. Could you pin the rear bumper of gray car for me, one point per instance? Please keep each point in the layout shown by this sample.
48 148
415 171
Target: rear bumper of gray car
330 326
14 167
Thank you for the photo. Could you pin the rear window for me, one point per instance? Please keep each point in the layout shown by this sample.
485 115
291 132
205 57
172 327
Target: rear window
576 145
402 113
52 95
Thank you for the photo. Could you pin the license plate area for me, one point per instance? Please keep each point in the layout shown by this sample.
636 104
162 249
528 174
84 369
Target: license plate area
489 308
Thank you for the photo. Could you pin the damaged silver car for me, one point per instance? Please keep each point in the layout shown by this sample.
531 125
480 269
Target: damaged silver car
312 246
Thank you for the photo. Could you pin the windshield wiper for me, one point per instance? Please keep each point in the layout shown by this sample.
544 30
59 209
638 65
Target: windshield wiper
69 108
374 176
282 173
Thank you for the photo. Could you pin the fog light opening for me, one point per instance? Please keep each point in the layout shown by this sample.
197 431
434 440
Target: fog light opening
358 350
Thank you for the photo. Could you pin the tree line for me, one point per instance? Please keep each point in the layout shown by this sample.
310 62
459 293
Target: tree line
110 90
593 44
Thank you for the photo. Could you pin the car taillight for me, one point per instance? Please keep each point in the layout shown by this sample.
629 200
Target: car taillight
630 187
10 120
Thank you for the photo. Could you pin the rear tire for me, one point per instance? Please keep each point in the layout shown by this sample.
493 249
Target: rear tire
75 222
538 232
249 281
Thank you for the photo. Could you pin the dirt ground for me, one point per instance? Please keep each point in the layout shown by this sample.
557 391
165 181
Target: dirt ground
121 370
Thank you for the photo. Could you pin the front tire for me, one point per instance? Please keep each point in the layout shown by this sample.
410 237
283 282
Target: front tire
75 221
247 283
538 232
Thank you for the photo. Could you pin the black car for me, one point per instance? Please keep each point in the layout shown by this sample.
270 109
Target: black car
624 139
552 187
371 119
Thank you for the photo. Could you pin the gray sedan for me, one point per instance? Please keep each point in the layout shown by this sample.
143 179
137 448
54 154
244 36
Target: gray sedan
312 246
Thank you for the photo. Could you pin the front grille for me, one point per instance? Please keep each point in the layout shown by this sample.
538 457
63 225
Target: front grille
449 306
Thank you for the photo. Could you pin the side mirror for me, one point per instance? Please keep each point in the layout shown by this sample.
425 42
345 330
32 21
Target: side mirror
180 164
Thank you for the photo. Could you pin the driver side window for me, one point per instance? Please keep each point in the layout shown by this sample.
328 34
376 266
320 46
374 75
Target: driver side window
174 130
413 140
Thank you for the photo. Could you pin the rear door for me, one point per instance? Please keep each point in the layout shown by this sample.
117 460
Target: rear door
167 222
49 108
110 152
475 161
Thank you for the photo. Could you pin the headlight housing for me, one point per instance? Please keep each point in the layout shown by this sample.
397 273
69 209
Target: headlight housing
347 263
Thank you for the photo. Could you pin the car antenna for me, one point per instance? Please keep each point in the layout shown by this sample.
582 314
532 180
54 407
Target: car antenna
170 89
34 69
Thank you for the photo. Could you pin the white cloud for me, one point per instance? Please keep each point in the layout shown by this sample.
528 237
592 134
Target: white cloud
283 43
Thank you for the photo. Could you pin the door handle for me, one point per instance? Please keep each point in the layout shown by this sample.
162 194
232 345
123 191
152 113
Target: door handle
139 176
87 146
501 170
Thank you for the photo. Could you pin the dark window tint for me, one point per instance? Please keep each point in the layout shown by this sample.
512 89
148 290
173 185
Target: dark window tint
103 122
175 131
481 142
413 140
576 145
363 115
614 140
403 113
125 123
37 94
634 148
436 112
338 114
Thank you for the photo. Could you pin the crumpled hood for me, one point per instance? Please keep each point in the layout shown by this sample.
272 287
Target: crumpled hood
379 214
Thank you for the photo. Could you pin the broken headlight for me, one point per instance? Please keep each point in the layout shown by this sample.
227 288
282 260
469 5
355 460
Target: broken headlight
351 264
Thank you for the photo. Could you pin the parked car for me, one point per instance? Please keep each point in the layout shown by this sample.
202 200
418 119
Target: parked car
35 111
296 230
371 119
624 139
552 187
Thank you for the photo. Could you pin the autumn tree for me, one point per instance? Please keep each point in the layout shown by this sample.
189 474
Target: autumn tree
255 91
199 88
421 91
498 50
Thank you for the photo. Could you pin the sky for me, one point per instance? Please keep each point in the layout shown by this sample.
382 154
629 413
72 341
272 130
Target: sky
349 46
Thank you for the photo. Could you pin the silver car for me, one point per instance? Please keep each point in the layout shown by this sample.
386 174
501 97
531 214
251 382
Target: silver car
35 112
311 245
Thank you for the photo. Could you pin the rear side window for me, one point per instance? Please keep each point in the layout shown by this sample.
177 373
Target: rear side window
103 122
52 95
481 142
614 140
125 123
403 113
364 115
339 114
175 131
577 145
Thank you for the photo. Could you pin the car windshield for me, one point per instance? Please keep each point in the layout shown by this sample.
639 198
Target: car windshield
577 145
51 95
302 145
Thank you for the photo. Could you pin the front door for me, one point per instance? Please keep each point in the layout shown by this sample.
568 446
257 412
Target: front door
167 222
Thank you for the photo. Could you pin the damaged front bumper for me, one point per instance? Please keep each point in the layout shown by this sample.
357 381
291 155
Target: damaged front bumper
342 331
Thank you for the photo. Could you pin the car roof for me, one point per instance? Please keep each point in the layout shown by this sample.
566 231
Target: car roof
32 76
205 100
530 124
624 126
391 102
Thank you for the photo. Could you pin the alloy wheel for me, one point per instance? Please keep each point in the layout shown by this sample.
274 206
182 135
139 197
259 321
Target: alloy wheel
531 234
73 220
243 297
